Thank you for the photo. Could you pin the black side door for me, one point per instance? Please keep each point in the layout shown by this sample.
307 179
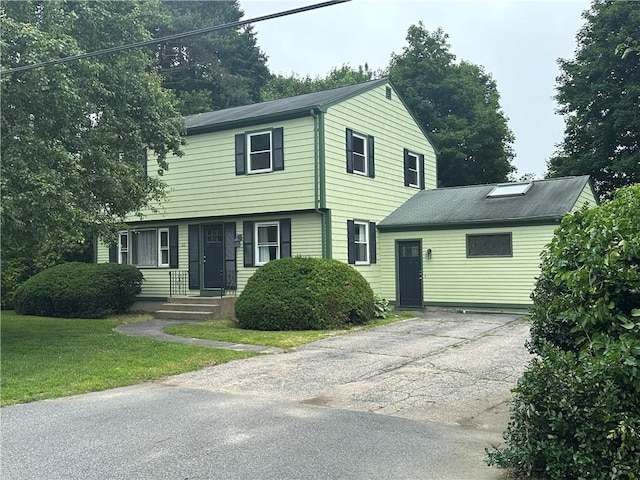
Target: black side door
409 273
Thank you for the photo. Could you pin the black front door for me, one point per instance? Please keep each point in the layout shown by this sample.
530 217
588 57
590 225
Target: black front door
213 256
409 273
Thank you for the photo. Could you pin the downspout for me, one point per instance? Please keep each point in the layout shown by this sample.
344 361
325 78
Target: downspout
319 200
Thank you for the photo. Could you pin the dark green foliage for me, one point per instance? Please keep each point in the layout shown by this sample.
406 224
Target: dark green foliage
598 93
303 293
280 86
576 412
590 278
458 105
79 290
208 72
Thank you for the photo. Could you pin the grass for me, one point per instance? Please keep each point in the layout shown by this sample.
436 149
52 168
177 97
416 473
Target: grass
227 331
55 357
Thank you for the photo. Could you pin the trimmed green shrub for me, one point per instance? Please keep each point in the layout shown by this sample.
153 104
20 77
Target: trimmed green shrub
576 410
79 290
303 293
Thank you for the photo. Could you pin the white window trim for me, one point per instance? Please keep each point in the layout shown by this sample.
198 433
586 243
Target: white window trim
257 241
417 169
366 242
353 153
124 250
160 248
249 152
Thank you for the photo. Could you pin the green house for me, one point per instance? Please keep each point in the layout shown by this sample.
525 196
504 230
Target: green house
330 174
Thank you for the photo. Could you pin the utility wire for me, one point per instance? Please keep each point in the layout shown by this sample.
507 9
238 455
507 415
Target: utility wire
172 37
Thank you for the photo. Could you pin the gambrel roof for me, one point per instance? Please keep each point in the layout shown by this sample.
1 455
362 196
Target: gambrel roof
274 110
537 202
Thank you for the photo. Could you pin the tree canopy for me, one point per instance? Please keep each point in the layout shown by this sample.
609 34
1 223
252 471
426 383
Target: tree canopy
458 104
599 96
74 135
208 72
280 86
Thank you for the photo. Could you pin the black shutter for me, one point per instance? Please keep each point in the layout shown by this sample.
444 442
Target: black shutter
421 179
406 167
173 247
349 150
372 242
241 158
285 238
113 252
230 277
194 257
278 148
247 240
351 242
370 156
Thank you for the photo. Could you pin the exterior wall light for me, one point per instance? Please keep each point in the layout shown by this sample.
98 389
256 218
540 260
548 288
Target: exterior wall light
237 241
428 254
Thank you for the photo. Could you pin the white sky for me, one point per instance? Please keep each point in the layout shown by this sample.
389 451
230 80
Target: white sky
518 42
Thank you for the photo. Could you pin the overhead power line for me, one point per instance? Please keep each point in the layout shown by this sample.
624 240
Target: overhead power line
176 36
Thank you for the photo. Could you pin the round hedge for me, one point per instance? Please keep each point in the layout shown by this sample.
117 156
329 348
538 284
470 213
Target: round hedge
304 293
79 290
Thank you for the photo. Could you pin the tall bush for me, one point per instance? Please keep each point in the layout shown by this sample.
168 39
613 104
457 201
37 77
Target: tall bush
81 290
303 293
576 410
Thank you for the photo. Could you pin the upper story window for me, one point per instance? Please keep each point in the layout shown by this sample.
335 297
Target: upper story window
361 242
260 151
360 153
147 248
490 245
259 148
413 169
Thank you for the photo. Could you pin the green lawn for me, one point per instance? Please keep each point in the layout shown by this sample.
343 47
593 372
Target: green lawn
54 357
227 331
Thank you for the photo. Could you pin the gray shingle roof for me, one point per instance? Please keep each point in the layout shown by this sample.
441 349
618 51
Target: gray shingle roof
547 201
301 105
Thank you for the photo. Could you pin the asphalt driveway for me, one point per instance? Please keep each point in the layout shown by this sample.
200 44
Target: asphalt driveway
421 398
444 366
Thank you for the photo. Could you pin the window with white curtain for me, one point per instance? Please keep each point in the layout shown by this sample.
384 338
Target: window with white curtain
268 242
144 248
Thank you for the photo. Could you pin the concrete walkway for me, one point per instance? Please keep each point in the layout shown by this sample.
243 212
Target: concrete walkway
154 329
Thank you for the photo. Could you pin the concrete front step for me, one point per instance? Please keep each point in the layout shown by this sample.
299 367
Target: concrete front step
194 300
191 307
184 315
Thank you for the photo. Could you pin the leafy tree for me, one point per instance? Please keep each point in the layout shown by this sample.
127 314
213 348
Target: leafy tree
458 105
280 86
599 94
209 72
575 412
73 135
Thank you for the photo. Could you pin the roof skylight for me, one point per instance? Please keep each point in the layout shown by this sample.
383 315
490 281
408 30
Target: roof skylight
509 189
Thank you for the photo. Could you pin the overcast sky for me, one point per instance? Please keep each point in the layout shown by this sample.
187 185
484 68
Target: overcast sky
518 42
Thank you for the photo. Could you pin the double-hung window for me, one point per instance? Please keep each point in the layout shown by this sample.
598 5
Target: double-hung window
361 240
148 248
360 153
267 242
413 169
261 151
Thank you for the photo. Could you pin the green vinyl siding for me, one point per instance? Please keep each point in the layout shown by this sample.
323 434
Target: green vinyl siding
452 278
203 182
305 241
586 197
353 196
